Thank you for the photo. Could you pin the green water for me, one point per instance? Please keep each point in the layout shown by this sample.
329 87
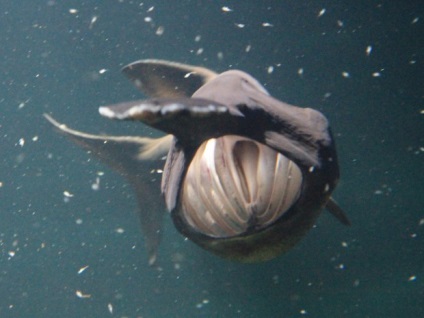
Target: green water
52 54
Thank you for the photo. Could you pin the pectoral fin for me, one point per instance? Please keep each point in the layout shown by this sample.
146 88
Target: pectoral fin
337 212
134 158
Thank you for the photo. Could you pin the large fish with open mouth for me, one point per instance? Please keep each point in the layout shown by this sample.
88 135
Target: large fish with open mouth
246 175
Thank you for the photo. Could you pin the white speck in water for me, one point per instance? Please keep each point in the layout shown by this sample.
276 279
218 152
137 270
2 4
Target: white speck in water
120 230
93 20
67 194
199 51
110 308
415 20
82 269
160 30
80 294
412 278
270 69
21 142
321 13
345 74
267 25
368 50
226 9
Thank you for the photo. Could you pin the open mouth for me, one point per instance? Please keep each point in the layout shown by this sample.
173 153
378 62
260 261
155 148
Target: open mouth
235 184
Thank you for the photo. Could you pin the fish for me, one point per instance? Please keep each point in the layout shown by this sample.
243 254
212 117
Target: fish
246 175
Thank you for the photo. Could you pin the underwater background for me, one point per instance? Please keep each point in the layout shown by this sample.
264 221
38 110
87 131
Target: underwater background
69 249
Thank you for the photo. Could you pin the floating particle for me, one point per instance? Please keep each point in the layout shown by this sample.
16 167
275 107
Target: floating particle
82 269
96 185
11 253
376 74
300 71
100 173
21 142
102 71
303 312
23 104
197 38
73 11
412 278
186 76
270 69
1 184
321 13
420 223
239 25
248 48
92 21
340 23
415 20
150 9
226 9
267 25
35 138
110 308
199 51
160 30
67 194
340 266
344 244
220 55
78 221
148 19
356 283
80 294
120 230
368 50
345 74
